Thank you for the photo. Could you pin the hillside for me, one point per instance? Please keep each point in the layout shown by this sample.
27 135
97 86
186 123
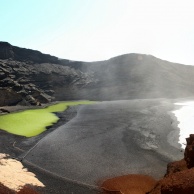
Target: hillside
30 77
141 76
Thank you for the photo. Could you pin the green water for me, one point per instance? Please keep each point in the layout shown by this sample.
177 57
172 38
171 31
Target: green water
33 122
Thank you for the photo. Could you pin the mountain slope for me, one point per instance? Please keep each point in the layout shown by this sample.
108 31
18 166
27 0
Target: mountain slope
30 77
140 76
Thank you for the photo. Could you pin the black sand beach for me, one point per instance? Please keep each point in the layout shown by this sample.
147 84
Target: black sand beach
100 141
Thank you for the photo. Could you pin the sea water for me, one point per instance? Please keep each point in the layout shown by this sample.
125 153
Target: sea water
185 117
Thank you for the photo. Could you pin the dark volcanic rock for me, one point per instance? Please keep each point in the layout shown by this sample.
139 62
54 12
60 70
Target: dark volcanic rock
8 51
39 78
9 97
35 83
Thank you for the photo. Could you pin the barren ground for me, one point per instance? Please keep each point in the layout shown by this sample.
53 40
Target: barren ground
100 141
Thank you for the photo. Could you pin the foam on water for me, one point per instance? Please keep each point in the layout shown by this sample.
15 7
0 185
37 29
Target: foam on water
185 117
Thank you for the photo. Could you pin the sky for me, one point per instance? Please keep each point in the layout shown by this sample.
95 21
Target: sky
93 30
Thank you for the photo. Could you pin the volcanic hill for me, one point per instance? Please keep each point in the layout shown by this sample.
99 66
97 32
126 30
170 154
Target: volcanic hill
30 77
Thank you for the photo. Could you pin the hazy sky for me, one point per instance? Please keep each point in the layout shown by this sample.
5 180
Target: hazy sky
91 30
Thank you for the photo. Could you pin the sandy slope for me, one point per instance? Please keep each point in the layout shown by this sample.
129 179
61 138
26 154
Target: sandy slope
13 174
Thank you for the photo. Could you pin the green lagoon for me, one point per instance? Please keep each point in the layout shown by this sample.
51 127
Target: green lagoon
30 123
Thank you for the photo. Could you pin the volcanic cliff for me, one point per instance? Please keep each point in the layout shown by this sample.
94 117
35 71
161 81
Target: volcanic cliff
30 77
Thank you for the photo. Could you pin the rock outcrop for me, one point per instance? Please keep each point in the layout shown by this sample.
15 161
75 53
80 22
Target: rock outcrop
179 178
29 77
15 86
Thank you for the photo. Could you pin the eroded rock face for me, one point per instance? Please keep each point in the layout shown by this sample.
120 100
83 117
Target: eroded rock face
28 77
33 83
39 78
15 88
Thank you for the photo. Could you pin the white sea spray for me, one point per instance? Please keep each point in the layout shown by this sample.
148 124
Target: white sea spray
185 117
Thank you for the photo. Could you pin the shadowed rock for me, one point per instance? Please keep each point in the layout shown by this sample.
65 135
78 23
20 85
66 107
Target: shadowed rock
8 51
